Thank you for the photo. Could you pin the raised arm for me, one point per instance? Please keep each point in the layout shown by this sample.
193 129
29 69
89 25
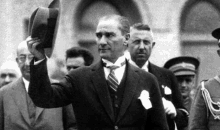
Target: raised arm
43 93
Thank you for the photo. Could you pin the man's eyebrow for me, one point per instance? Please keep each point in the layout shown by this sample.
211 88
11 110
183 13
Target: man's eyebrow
104 33
110 32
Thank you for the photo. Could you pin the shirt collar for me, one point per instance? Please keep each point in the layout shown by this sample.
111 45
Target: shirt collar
144 67
127 55
118 62
26 83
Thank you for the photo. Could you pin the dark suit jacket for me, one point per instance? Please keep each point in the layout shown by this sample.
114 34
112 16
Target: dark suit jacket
87 90
166 78
14 112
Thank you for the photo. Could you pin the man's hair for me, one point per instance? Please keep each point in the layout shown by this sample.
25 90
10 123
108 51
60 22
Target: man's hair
79 51
142 27
124 24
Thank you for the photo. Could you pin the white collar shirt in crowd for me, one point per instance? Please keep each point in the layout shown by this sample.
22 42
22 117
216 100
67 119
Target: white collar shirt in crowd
128 57
26 84
144 67
119 72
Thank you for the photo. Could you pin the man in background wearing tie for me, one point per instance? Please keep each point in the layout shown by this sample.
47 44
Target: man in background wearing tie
140 47
111 94
17 111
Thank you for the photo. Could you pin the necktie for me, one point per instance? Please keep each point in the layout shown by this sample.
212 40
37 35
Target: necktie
112 80
31 109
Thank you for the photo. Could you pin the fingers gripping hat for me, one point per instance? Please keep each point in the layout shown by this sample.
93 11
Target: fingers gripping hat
183 65
43 24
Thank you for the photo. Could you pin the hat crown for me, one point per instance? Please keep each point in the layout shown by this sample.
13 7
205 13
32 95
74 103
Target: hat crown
42 25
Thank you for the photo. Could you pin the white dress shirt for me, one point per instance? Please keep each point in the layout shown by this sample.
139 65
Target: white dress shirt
144 67
119 72
26 84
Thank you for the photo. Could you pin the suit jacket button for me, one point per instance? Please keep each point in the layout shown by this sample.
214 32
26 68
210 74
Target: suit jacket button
116 127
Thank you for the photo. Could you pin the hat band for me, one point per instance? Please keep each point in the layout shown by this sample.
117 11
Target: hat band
182 66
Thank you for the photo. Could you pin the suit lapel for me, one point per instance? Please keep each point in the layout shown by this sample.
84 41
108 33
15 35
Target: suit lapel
158 74
132 81
153 70
38 112
99 82
19 96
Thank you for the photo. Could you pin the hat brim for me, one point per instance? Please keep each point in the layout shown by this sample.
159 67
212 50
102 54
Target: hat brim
216 33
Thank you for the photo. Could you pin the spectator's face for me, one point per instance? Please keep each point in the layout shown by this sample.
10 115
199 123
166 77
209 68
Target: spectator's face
74 62
186 84
110 40
23 59
140 45
7 76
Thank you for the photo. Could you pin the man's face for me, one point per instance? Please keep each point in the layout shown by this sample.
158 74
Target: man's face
186 84
110 40
7 76
140 45
74 62
23 59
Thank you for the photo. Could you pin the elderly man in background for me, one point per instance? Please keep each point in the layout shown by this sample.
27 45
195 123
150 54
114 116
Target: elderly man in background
18 112
9 71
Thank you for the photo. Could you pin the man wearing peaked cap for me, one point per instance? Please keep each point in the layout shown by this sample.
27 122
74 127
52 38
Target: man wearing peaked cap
184 68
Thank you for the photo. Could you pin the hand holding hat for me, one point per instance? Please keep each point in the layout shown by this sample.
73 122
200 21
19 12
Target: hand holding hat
32 44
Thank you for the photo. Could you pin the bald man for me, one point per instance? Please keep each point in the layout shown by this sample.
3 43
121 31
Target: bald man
9 72
18 112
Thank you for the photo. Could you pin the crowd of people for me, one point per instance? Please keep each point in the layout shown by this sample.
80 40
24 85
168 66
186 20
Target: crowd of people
122 91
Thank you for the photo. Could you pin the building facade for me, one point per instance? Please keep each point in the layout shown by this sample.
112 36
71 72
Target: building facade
181 27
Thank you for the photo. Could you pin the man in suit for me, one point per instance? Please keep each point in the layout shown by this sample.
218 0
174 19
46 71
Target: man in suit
17 111
9 72
127 98
77 57
140 47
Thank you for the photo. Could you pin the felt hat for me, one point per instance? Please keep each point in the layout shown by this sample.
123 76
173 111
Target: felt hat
183 65
42 25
